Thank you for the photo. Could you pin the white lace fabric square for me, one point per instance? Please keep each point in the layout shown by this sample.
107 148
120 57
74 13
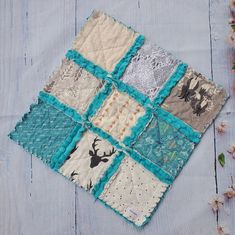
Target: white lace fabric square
149 69
133 191
104 41
73 86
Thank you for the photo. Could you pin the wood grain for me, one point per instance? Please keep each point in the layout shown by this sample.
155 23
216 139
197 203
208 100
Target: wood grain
34 36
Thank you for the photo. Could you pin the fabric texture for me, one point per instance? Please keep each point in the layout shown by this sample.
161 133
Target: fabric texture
164 145
149 69
73 86
195 100
43 130
88 160
104 41
133 191
120 117
118 114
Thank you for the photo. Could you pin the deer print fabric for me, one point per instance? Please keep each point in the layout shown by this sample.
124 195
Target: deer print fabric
88 161
120 117
195 100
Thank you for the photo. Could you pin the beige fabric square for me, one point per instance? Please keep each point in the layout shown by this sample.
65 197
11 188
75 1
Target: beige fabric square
88 161
133 191
118 114
73 86
195 100
104 41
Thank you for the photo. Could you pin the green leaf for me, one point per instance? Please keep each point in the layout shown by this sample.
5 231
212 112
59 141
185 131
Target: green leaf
233 26
221 159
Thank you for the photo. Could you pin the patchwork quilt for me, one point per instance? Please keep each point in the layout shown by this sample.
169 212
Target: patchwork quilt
120 117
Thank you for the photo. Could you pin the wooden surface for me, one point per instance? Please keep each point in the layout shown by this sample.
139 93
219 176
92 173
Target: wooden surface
34 36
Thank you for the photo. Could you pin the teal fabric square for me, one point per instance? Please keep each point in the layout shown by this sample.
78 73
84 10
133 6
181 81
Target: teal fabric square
164 145
43 130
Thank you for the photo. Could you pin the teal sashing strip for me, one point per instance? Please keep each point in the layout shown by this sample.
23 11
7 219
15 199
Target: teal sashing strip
65 149
99 187
165 91
86 64
51 100
105 136
132 92
177 123
137 129
98 100
123 63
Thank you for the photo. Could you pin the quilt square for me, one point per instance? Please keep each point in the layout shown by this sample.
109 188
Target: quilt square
104 41
43 130
118 114
196 100
88 161
133 191
164 145
73 86
149 69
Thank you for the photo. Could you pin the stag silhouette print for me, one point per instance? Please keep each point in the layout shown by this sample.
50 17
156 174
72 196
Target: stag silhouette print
95 158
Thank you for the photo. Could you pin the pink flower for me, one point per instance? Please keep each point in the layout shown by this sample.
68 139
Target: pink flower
231 38
231 150
221 128
230 192
222 230
216 203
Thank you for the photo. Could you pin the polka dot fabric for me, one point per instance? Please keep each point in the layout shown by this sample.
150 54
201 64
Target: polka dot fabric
133 191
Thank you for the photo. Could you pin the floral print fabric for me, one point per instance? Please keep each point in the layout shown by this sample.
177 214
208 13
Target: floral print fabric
164 145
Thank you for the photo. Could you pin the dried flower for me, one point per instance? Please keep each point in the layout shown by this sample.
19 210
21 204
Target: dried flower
231 150
216 202
222 230
221 128
230 192
231 38
232 6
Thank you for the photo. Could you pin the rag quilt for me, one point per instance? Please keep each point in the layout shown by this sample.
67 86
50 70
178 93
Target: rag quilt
120 117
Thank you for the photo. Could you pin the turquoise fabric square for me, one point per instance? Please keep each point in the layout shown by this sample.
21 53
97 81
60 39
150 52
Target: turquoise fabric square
164 145
43 130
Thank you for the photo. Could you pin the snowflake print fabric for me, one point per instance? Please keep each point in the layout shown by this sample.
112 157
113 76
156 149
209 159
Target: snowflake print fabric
120 117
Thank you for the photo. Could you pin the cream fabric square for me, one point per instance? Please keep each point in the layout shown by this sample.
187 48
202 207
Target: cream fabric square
104 41
73 86
88 161
118 114
133 191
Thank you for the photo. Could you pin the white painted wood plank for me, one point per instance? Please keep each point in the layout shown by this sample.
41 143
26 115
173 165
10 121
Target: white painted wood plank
40 40
36 35
222 59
